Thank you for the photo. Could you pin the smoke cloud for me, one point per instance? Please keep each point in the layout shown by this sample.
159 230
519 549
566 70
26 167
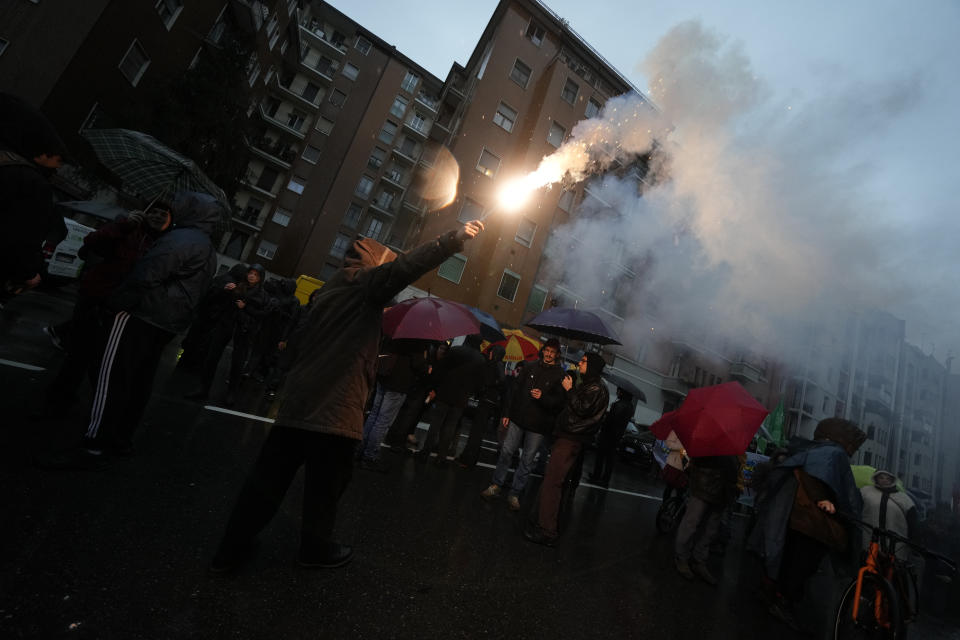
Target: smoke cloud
753 220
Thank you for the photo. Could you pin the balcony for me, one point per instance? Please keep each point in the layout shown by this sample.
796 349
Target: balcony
314 31
249 218
453 95
386 207
273 152
393 179
432 104
400 155
291 95
252 187
280 125
322 74
419 128
439 132
675 386
746 372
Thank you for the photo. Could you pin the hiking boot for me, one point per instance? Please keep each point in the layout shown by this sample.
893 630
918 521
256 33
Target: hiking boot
683 568
491 492
513 503
700 569
333 556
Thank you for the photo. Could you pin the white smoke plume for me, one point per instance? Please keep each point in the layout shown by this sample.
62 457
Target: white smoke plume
753 224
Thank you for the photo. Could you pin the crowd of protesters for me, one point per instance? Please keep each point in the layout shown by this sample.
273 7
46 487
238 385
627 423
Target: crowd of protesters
152 276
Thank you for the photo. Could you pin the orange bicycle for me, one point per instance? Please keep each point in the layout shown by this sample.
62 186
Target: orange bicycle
883 597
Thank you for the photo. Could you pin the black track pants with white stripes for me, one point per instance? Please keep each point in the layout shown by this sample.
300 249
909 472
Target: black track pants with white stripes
125 381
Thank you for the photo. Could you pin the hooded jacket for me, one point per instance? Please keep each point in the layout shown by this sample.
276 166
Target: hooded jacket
459 375
584 404
26 197
256 302
338 342
168 283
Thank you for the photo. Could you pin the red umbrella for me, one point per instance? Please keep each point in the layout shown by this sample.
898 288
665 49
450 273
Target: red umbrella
714 421
429 319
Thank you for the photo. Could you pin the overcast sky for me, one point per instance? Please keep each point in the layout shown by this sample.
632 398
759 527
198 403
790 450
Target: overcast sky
803 52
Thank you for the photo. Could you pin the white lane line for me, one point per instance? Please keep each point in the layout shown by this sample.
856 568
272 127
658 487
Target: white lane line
231 412
21 365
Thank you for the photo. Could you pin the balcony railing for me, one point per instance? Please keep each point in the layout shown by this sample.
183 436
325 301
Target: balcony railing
420 128
258 190
319 73
314 29
280 125
389 209
279 154
429 102
403 156
745 372
394 179
287 92
249 217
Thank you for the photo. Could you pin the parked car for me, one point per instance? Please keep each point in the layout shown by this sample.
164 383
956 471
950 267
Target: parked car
636 447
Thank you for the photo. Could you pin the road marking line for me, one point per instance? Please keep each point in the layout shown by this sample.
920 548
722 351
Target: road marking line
231 412
21 365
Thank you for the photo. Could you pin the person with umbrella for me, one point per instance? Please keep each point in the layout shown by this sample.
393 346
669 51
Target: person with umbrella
320 418
491 402
583 408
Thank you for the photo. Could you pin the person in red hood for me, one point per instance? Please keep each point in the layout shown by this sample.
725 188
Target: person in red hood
320 421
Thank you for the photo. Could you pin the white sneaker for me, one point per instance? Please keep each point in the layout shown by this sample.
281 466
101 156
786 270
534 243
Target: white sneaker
490 492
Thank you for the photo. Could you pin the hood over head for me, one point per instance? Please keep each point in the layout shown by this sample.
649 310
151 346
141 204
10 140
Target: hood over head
26 131
884 480
259 269
238 271
202 211
498 351
366 253
843 432
595 365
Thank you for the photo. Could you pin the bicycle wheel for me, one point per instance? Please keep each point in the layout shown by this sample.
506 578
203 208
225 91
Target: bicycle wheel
669 514
878 616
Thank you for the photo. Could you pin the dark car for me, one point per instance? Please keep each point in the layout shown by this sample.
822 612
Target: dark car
636 447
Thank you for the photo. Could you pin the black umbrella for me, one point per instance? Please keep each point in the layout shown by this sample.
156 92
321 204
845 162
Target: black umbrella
489 327
576 324
623 383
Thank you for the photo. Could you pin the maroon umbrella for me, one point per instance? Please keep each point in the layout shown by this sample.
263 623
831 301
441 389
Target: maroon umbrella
429 319
714 421
577 324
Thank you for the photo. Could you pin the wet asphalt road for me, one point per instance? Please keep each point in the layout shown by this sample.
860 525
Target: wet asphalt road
123 552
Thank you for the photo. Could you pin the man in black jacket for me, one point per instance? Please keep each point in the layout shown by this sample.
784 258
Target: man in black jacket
583 408
529 418
491 401
611 433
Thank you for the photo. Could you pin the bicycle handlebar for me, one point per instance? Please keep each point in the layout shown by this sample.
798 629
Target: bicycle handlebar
878 531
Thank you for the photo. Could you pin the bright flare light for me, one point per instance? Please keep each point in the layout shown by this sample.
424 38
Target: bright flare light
515 194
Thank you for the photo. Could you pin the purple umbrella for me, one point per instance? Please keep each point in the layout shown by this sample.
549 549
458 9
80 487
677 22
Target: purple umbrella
576 324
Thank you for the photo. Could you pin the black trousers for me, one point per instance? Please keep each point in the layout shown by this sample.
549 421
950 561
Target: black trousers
125 381
604 461
408 418
219 339
478 428
443 428
84 350
328 463
802 556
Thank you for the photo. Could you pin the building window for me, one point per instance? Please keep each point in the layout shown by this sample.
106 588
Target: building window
351 71
508 285
410 82
297 184
535 33
374 229
295 119
593 108
538 296
566 201
375 161
387 132
352 217
362 45
556 134
520 73
134 63
470 210
570 91
505 117
452 268
337 98
235 245
168 10
267 250
399 106
340 245
418 121
409 148
324 126
282 216
326 66
364 187
309 92
488 164
525 232
311 154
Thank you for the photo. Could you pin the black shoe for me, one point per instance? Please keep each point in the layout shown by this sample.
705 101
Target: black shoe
228 559
370 464
335 555
539 536
79 459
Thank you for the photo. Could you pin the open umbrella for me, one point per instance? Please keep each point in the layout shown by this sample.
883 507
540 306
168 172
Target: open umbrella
148 167
576 324
519 346
622 382
489 327
714 421
429 319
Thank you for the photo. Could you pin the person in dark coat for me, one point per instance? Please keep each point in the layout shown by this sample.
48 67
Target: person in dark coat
583 409
490 404
614 426
195 345
277 327
155 302
30 153
712 488
401 434
320 415
456 377
795 525
111 253
243 305
536 400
